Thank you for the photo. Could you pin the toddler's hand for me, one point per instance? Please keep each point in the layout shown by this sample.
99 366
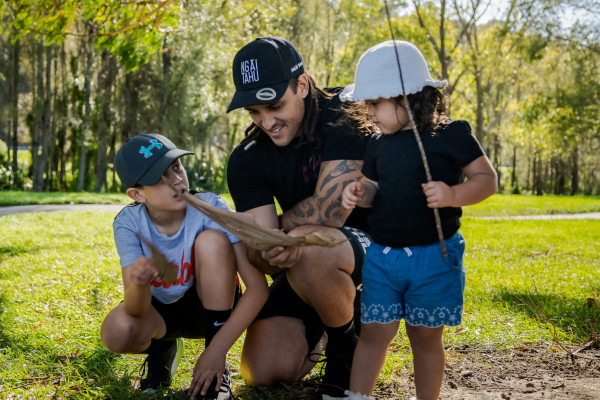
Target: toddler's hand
352 194
438 194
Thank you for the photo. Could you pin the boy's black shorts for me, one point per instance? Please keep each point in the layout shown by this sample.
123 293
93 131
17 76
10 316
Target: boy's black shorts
283 301
185 317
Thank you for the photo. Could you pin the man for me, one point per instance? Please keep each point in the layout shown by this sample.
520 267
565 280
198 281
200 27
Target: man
299 151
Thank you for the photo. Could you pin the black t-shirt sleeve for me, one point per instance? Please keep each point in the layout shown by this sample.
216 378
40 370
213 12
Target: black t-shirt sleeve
461 143
246 181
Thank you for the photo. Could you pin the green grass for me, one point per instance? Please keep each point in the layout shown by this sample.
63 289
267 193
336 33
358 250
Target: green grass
497 205
13 198
511 204
527 282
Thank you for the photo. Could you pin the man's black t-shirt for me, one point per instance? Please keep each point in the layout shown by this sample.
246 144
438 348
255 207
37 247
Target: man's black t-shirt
400 216
260 172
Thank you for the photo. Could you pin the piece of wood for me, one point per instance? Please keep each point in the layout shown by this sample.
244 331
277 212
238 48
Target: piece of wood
248 231
166 269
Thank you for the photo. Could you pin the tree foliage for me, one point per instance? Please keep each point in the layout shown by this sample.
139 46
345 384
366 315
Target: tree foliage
79 77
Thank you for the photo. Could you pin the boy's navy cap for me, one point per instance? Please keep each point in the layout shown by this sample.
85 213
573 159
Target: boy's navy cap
143 159
262 70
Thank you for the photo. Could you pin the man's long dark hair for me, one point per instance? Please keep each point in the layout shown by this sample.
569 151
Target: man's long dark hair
311 114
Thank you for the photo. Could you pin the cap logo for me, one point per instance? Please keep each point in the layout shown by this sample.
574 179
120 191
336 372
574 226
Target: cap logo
146 150
266 94
249 70
295 67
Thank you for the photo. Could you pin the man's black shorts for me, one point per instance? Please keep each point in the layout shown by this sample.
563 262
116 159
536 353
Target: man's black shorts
283 301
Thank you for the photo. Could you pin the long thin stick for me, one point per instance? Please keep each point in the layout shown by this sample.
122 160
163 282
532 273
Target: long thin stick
436 213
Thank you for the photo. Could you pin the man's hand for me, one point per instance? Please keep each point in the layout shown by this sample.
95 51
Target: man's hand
282 257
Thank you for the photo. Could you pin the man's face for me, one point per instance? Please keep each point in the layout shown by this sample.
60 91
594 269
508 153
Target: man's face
281 120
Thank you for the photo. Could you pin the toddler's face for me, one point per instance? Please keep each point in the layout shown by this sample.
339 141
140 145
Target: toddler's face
387 115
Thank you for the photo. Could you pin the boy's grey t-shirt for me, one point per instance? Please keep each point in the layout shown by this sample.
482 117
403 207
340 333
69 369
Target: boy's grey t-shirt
133 221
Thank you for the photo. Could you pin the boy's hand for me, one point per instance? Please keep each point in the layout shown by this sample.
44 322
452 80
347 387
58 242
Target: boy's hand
143 271
210 365
438 194
353 193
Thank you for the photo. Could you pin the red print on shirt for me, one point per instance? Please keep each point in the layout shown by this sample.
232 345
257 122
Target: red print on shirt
310 171
186 272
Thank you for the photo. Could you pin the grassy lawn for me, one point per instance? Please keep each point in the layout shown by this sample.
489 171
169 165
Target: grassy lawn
497 205
14 198
528 282
510 204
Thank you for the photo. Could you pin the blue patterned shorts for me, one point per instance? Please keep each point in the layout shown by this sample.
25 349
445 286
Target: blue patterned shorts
415 283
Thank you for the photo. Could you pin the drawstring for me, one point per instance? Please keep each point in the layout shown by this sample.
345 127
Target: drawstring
406 249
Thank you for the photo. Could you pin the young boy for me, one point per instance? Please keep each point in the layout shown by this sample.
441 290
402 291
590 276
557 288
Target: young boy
155 315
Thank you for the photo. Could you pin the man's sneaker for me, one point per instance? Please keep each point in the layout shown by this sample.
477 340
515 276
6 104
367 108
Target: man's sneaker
337 369
161 367
224 392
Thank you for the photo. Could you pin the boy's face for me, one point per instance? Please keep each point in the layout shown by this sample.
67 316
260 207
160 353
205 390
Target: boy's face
160 197
389 116
282 120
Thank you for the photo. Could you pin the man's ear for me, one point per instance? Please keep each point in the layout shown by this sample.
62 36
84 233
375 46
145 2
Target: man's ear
303 86
135 194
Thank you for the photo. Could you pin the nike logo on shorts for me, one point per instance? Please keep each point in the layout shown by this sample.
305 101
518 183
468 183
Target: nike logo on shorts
217 323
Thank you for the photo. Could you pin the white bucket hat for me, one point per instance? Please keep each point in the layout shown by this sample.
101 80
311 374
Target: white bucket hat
377 73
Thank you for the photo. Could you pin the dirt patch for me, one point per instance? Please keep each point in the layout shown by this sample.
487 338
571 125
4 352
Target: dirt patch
527 372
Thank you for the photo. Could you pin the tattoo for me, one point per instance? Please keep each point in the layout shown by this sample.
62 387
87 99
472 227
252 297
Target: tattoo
304 209
334 209
344 167
327 206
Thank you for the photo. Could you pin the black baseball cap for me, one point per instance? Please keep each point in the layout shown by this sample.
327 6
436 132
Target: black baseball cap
262 70
143 159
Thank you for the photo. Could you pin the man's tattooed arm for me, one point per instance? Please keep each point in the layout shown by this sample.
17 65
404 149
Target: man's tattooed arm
324 207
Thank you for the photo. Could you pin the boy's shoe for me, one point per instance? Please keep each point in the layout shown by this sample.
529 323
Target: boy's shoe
224 392
336 379
161 367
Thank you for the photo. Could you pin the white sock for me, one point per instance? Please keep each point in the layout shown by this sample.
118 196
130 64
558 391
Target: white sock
350 396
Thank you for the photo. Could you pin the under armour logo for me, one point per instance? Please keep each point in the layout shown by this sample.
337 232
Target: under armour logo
146 150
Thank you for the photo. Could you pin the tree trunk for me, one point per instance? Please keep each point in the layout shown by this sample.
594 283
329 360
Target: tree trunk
479 131
45 134
52 164
105 83
89 53
513 175
61 134
14 112
166 69
575 169
38 112
534 176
